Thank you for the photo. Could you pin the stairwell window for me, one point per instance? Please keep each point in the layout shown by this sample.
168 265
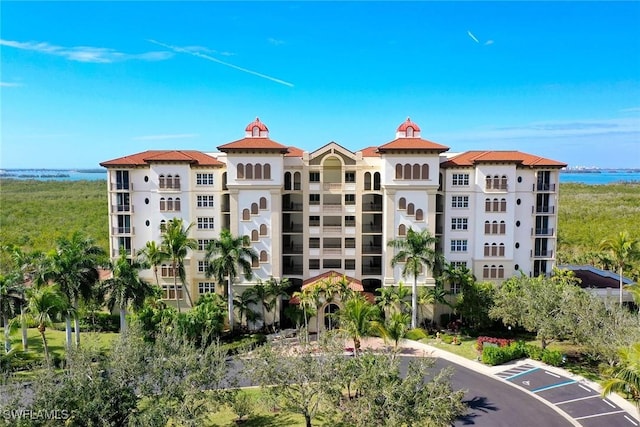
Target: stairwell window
459 245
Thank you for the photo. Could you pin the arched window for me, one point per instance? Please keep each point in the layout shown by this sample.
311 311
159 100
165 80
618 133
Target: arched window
416 171
164 270
496 205
257 171
419 215
402 230
488 182
263 203
425 171
266 171
501 249
163 226
409 132
254 208
487 227
496 182
485 271
263 256
503 205
161 181
367 181
246 215
503 182
500 272
224 181
255 131
487 249
494 249
494 227
176 182
169 204
240 169
411 209
287 180
163 205
376 181
407 171
398 171
503 227
176 204
494 272
254 235
169 181
402 203
296 181
255 263
263 230
487 205
248 171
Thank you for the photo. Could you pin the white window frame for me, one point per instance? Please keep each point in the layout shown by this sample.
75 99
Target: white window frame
204 179
459 245
458 223
205 223
205 200
460 180
460 202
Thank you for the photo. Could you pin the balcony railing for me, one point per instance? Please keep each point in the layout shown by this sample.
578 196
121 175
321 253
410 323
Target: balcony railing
372 207
292 228
332 207
122 208
294 207
292 269
372 228
332 251
332 186
542 232
543 186
123 230
121 186
542 254
376 270
371 249
332 229
543 209
117 252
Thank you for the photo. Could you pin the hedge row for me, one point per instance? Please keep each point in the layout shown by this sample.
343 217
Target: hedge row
499 355
500 342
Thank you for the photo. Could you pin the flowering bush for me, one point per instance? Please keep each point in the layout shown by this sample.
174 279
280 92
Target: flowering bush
500 342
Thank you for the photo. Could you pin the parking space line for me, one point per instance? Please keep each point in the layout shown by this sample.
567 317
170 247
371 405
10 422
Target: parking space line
598 415
553 375
521 373
584 388
549 387
609 403
575 400
631 421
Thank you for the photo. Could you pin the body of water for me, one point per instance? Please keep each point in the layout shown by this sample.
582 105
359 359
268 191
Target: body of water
603 177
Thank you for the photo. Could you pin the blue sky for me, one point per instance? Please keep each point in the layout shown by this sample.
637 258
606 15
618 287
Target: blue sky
83 83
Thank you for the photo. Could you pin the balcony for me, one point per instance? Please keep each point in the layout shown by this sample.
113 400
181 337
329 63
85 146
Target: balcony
372 207
372 270
371 249
542 254
292 207
542 232
122 208
332 251
332 186
293 249
543 186
123 230
118 252
543 209
332 229
292 269
332 207
292 228
121 186
372 228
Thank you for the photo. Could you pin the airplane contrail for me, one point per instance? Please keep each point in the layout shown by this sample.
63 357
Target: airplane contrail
473 37
211 58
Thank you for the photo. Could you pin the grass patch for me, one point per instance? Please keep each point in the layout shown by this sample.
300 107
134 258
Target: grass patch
466 348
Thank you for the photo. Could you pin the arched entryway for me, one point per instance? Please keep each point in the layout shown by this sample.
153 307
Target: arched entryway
330 321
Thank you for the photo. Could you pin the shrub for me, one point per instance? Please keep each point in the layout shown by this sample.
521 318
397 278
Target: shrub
534 352
500 342
100 322
416 334
499 355
552 357
446 338
244 344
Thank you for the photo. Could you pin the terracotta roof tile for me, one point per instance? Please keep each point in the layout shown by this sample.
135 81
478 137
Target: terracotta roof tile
294 152
408 123
254 144
412 144
257 123
334 276
471 158
197 158
370 152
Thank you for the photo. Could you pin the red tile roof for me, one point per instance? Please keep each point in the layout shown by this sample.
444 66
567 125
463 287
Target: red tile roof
294 152
333 276
254 144
471 158
408 123
257 123
196 158
412 144
370 152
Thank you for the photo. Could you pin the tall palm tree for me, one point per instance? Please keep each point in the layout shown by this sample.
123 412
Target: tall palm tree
278 290
425 297
74 267
152 256
394 328
307 301
623 248
126 287
385 299
225 255
356 319
416 251
10 299
243 303
261 293
399 296
625 376
46 304
176 244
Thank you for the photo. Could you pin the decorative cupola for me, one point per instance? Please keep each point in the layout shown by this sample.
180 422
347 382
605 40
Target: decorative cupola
257 129
408 129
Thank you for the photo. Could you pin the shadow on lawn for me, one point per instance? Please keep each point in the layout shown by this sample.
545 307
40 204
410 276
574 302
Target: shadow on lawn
476 405
275 420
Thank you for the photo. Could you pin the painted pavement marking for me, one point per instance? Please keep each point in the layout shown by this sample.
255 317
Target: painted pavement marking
549 387
630 420
577 399
599 415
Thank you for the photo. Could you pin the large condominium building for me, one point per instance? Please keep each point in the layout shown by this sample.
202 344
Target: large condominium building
310 213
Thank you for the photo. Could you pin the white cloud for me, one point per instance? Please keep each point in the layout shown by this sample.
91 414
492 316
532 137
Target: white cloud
99 55
10 84
165 136
275 42
488 42
630 110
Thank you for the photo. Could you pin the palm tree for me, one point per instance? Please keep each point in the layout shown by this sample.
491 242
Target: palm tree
425 297
356 318
225 255
416 251
74 267
152 256
399 296
278 290
306 300
623 248
243 304
261 293
385 299
46 303
176 244
126 287
10 298
395 328
625 376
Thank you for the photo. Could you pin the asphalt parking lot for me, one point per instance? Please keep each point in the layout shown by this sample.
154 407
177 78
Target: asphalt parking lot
576 399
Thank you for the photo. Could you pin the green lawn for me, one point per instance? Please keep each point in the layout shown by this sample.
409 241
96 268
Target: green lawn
101 341
466 348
